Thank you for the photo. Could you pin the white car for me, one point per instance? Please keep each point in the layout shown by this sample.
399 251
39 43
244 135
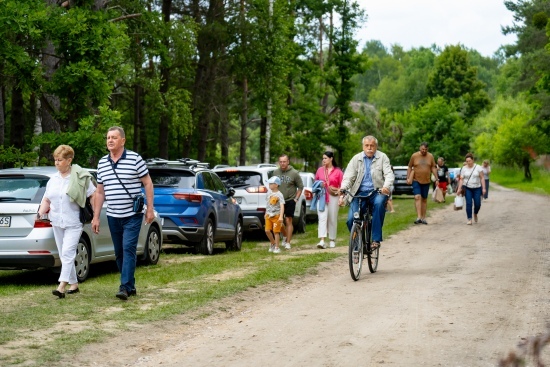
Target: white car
26 243
308 179
250 185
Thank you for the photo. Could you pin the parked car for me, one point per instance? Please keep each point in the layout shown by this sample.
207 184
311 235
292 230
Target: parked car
26 243
308 179
400 186
194 205
250 185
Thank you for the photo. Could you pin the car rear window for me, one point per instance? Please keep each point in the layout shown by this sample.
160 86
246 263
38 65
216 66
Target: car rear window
172 178
22 189
238 179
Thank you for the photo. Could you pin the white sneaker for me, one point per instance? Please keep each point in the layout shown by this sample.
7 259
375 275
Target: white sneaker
276 250
271 248
332 244
287 246
321 245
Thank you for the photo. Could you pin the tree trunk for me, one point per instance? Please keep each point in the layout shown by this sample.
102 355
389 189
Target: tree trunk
17 132
137 117
244 123
2 118
526 169
49 103
164 125
262 136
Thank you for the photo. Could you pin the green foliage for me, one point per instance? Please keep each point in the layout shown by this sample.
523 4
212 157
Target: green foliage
514 178
438 123
454 79
505 134
13 157
88 141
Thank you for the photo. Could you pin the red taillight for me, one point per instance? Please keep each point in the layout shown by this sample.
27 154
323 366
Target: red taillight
308 194
192 198
257 189
37 252
42 224
185 220
261 209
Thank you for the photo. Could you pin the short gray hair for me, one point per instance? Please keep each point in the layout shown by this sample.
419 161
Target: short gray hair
119 129
370 138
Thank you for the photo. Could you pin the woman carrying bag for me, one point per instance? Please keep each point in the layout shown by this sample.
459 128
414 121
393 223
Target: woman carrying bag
472 185
66 193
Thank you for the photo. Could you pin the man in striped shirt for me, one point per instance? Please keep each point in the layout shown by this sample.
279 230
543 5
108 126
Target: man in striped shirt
119 192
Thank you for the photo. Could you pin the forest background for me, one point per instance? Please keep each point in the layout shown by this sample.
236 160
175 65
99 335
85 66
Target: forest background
242 81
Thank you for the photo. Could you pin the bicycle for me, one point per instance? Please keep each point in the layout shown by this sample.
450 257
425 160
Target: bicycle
360 238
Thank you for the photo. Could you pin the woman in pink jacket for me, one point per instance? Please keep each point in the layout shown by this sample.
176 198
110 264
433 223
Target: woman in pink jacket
332 177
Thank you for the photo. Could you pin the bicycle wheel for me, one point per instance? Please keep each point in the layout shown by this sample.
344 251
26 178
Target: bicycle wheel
372 255
355 252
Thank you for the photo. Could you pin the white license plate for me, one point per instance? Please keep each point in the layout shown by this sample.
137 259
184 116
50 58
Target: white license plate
5 221
239 200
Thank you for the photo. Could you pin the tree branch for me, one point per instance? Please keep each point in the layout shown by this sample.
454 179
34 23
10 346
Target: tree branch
125 17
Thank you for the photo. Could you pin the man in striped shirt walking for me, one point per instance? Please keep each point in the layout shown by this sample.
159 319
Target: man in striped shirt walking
120 175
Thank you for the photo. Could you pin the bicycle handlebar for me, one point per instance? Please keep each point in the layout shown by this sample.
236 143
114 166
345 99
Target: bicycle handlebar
378 191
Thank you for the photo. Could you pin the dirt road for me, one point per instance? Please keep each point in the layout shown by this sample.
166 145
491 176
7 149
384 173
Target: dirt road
445 294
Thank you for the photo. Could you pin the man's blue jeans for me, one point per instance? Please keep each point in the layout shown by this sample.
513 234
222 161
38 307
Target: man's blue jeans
475 195
125 234
378 214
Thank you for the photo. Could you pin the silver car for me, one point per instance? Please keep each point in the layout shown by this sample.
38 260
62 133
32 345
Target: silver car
26 243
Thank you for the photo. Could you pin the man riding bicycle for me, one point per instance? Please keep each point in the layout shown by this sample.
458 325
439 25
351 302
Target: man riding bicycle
368 171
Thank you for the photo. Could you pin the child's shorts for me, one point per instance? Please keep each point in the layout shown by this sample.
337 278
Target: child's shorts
273 224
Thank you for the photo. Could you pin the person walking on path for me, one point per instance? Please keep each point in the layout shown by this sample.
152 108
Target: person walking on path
443 176
421 166
291 187
331 177
66 193
473 180
120 175
367 171
486 172
274 211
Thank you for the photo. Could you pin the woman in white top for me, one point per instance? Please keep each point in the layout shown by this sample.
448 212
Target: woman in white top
472 179
61 201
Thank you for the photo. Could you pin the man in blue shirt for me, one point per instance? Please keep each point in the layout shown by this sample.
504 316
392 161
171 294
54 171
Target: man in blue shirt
368 171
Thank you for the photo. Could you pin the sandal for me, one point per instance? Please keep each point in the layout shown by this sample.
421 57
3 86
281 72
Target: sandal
375 246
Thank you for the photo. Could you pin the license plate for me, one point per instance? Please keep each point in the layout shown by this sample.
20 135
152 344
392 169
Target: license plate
5 221
239 200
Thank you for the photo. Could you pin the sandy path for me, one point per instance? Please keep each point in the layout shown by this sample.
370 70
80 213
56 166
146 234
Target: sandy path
445 294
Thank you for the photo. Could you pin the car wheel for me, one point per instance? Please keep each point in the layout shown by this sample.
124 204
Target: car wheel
82 260
206 246
236 244
151 253
301 225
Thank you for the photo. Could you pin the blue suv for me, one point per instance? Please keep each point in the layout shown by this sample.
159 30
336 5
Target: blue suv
195 207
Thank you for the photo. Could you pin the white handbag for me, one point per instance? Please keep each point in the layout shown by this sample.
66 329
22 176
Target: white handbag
459 202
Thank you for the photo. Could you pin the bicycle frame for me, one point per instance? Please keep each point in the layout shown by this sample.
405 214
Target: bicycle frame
362 226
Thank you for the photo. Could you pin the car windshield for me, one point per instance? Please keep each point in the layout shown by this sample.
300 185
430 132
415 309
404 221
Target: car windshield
22 189
238 179
172 178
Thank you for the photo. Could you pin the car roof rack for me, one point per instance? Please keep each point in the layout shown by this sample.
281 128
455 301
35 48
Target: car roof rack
184 162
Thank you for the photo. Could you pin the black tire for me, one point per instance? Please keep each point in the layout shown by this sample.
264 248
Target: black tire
236 243
206 246
301 224
372 255
355 252
82 260
151 252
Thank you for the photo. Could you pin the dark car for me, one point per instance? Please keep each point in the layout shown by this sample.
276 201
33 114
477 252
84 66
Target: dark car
400 186
195 207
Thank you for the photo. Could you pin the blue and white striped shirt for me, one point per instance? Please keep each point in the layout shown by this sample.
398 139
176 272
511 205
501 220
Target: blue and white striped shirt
130 168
